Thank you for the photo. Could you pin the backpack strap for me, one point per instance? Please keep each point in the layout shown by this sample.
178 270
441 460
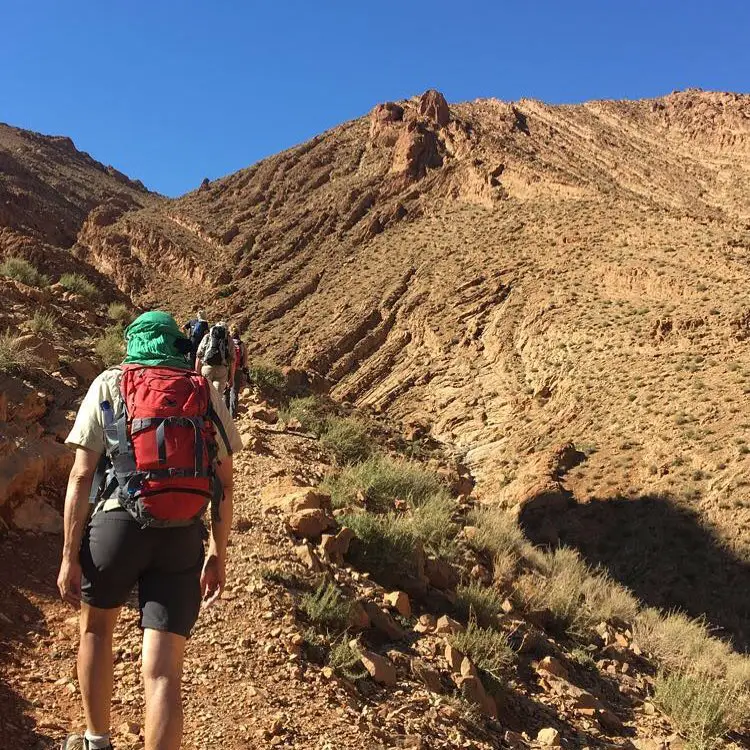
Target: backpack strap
214 417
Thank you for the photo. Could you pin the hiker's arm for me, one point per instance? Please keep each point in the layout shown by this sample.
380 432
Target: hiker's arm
74 518
198 364
214 569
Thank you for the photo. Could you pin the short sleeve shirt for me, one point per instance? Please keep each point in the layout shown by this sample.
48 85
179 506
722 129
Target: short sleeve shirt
88 429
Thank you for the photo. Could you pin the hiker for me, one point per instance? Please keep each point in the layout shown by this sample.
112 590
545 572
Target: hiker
154 446
196 330
215 357
240 372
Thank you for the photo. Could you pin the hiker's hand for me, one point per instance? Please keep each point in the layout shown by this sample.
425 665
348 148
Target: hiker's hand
213 578
69 582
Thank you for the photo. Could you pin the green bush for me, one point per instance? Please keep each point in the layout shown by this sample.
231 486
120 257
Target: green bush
475 601
327 607
347 439
23 271
310 411
382 481
345 660
120 313
702 709
14 357
266 377
43 323
111 346
488 649
78 284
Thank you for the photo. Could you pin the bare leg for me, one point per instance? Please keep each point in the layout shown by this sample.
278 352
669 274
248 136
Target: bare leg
95 665
163 655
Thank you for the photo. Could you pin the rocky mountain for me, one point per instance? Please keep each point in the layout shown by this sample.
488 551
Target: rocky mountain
506 277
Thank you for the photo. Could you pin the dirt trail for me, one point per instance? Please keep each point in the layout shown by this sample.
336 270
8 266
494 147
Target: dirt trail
242 687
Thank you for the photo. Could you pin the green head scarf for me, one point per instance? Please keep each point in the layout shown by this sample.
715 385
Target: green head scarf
151 339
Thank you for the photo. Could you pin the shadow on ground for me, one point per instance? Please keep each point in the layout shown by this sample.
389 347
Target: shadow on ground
660 550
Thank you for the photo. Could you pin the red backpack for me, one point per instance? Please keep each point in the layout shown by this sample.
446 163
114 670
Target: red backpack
161 446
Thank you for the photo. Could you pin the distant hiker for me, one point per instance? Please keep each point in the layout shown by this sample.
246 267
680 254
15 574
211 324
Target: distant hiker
196 329
154 446
240 371
215 357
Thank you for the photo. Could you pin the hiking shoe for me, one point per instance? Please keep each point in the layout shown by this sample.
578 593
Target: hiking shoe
78 742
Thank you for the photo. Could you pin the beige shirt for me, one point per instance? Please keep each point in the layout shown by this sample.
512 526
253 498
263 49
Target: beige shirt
88 429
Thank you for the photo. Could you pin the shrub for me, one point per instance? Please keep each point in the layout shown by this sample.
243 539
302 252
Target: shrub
347 439
310 411
479 602
432 524
111 346
345 660
327 607
23 271
488 649
702 709
577 597
43 322
15 357
266 377
120 314
383 480
78 284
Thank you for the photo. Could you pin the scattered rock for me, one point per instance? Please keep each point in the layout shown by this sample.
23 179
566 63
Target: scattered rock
399 601
426 674
383 622
33 514
454 657
447 624
548 737
553 666
381 669
264 414
472 689
440 573
309 523
309 558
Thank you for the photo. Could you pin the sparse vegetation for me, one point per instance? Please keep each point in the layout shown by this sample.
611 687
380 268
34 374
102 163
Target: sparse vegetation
327 607
347 439
345 660
111 346
21 270
120 314
43 323
475 601
487 648
14 357
382 481
78 284
310 411
266 377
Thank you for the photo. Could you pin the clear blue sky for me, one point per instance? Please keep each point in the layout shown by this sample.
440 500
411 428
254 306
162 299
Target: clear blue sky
171 91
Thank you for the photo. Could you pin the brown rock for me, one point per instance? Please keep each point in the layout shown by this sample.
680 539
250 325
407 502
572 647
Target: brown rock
515 740
84 370
454 657
473 691
609 721
548 737
448 625
381 670
440 573
383 622
427 674
33 514
308 558
553 666
433 107
264 414
399 601
41 349
358 617
468 669
310 523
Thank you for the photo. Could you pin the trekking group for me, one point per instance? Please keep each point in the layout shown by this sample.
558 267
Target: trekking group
154 440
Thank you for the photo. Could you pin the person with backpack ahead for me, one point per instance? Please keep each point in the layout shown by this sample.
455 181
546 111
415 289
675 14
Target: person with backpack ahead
215 357
154 445
240 368
196 329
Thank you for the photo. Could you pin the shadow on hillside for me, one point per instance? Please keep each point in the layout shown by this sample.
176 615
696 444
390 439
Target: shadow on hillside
658 549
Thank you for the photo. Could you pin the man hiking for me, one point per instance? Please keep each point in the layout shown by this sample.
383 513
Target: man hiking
215 357
196 329
240 371
154 446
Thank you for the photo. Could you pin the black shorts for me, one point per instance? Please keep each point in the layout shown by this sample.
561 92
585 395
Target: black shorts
116 553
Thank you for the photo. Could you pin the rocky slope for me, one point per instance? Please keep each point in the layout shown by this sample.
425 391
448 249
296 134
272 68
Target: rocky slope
47 190
508 277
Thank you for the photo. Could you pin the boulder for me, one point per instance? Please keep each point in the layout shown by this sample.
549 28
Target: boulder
263 413
291 498
358 617
41 349
84 370
310 523
440 573
308 558
548 737
454 657
23 470
399 601
34 514
473 691
434 107
381 669
333 547
553 666
448 626
383 622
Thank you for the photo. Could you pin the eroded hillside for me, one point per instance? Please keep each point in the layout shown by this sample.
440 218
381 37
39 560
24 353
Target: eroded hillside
507 277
